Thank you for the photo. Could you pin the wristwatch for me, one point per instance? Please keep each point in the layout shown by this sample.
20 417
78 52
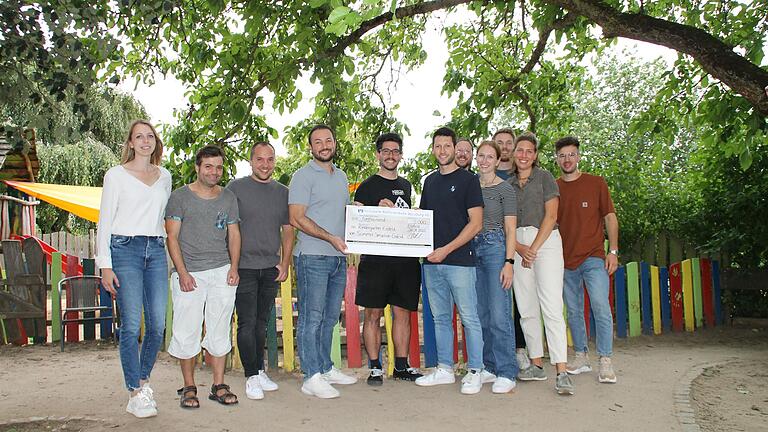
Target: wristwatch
614 252
510 260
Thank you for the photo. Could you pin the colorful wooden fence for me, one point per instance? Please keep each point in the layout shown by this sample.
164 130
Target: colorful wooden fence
645 300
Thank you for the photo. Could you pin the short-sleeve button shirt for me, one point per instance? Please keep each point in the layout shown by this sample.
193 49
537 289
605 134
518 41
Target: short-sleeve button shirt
540 188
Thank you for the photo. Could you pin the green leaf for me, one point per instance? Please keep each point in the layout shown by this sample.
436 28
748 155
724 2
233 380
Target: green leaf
338 13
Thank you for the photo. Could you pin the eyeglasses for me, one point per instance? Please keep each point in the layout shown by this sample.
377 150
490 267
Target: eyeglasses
469 152
387 152
570 155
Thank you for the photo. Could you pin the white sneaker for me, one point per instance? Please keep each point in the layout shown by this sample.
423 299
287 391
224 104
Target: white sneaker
150 394
317 386
335 376
523 362
503 385
487 377
266 383
141 406
253 388
472 382
437 377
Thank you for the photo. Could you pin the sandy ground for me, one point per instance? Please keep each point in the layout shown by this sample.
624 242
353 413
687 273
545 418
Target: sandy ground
86 381
733 396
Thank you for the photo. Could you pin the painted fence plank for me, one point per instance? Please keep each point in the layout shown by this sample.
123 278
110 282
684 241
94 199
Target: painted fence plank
352 320
89 327
645 297
706 292
390 340
688 311
698 305
428 324
272 353
414 353
620 294
676 296
234 354
633 299
717 293
336 345
655 300
666 308
72 329
56 276
286 316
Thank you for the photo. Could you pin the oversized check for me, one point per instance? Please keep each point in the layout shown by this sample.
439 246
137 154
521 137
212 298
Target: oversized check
388 231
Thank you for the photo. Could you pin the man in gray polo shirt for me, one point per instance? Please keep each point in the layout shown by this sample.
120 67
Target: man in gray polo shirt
201 220
264 261
316 204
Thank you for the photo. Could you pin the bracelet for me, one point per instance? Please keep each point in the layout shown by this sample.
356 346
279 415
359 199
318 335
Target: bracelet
510 260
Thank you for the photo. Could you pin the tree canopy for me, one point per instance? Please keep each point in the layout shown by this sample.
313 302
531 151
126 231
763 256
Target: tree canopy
526 63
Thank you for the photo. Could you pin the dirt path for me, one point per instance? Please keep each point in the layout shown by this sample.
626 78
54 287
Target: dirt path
86 381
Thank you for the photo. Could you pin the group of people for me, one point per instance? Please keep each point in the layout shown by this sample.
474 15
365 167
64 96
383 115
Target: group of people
508 228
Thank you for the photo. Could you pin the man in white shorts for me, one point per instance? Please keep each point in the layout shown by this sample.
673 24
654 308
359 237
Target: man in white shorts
204 244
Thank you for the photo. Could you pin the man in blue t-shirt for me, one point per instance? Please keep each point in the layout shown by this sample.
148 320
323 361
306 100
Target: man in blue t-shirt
456 200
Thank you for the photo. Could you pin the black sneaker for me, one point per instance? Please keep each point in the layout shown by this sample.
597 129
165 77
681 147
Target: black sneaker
376 378
410 374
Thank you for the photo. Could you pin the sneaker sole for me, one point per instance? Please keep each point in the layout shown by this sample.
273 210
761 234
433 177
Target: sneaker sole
142 415
532 379
580 370
309 393
254 397
564 392
470 391
430 384
607 380
505 391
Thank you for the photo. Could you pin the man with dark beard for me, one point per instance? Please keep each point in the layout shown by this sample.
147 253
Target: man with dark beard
317 200
387 280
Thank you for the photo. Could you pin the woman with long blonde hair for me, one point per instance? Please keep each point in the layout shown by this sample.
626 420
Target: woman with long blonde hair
131 256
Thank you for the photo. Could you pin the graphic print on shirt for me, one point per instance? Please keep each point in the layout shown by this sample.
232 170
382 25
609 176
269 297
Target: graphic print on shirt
400 203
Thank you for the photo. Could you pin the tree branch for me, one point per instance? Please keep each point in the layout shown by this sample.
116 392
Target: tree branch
401 12
714 56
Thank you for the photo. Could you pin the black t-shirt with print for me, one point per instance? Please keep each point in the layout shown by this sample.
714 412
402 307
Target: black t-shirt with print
376 188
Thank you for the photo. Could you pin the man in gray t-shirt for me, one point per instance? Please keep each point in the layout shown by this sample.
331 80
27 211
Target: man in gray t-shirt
204 244
264 261
316 205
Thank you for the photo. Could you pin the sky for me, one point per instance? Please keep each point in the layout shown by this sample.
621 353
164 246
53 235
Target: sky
418 94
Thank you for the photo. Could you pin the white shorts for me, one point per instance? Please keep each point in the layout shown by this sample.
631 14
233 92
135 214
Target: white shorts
214 300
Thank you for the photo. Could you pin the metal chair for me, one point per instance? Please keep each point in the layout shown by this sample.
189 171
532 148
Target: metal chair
82 294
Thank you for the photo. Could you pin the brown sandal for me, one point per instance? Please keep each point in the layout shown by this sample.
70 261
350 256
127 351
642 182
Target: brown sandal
225 398
188 402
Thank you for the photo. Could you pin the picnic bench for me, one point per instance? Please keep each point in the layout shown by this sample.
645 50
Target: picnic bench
23 292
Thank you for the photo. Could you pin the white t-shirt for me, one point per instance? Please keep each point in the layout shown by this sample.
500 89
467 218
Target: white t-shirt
130 208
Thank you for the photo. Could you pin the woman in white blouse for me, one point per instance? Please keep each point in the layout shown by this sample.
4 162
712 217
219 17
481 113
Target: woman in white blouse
132 259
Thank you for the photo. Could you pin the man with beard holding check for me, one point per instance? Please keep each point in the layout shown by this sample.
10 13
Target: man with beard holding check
387 280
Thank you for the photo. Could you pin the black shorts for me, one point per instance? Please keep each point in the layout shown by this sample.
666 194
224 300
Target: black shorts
387 283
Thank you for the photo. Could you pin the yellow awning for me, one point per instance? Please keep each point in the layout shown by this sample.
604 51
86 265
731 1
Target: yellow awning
81 201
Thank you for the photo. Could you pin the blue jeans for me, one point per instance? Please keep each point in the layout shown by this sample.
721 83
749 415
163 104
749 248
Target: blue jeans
592 272
141 267
494 305
446 285
321 281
